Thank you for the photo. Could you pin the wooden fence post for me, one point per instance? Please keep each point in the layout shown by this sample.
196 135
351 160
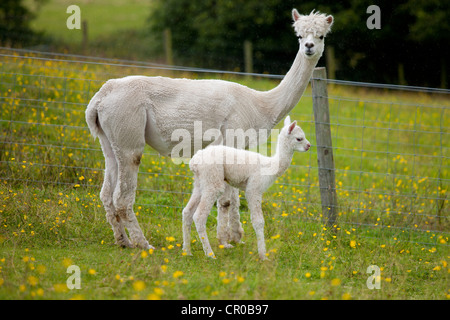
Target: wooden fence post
248 56
168 46
85 40
325 158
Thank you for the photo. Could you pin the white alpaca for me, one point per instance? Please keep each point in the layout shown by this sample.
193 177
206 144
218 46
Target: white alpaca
252 172
129 112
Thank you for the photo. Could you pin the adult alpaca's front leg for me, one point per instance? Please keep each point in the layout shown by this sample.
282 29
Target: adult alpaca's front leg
229 228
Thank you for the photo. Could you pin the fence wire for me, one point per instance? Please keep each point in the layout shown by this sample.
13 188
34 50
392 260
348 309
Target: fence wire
391 144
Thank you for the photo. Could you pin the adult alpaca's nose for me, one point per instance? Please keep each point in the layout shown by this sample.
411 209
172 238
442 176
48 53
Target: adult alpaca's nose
309 45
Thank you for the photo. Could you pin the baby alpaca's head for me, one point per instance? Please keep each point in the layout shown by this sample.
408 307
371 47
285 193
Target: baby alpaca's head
293 136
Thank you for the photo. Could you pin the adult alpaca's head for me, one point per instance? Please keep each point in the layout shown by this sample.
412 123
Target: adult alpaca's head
311 31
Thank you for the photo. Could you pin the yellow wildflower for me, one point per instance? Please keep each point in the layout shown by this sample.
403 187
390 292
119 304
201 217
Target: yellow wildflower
335 282
138 285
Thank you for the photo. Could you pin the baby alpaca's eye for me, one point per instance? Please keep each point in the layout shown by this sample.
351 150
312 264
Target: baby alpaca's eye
300 37
299 139
321 37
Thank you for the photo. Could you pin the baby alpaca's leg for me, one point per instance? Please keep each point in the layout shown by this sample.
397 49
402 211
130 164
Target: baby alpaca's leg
254 204
210 193
188 214
200 217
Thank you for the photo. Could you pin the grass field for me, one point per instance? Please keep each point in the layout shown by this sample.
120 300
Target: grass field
392 177
102 16
115 28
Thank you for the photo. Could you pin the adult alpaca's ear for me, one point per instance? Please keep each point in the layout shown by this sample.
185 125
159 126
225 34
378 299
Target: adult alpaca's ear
295 15
287 121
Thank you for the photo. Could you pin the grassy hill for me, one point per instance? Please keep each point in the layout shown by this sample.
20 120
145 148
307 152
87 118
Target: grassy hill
103 17
115 28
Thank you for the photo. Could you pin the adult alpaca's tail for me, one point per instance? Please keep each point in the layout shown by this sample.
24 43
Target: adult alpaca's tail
92 118
92 108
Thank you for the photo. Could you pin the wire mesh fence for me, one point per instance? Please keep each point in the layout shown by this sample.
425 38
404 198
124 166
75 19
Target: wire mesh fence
390 143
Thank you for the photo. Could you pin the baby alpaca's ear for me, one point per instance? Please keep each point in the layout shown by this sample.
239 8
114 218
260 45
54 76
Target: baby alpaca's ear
287 121
292 126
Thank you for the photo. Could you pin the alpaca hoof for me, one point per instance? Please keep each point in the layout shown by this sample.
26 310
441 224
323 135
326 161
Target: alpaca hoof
148 247
144 245
263 256
124 243
228 246
237 236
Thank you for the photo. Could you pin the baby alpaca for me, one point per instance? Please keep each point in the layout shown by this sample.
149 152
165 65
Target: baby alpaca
246 170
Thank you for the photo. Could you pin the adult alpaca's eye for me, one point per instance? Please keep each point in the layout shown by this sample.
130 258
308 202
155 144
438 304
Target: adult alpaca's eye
299 139
300 37
321 37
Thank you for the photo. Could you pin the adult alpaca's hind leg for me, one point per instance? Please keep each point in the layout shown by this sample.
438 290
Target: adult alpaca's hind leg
125 193
223 209
106 194
234 218
126 133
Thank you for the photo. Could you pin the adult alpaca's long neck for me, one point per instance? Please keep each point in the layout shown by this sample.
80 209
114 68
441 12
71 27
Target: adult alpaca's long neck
287 94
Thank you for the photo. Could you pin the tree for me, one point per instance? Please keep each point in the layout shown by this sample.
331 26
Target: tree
211 33
431 33
15 20
413 39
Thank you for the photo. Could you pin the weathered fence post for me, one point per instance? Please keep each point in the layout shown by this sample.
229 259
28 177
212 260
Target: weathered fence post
168 46
85 40
248 56
325 158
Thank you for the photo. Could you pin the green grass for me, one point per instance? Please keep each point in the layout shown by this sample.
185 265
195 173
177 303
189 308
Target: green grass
116 29
51 229
102 16
392 208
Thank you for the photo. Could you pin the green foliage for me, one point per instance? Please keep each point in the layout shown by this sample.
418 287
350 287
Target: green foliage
15 20
413 34
212 32
430 21
410 48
